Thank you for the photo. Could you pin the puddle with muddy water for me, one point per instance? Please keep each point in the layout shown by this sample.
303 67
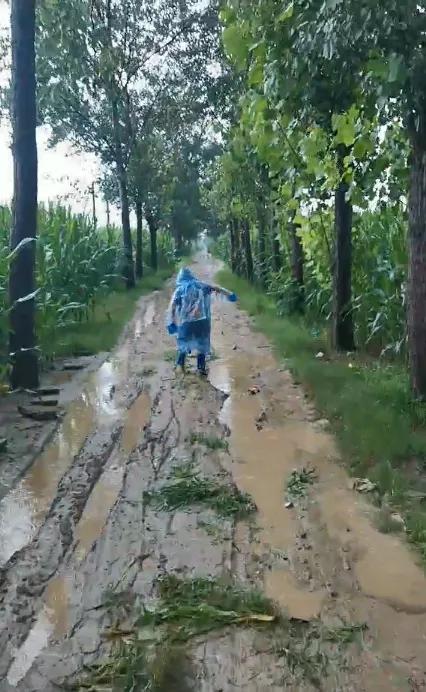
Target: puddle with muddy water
24 508
149 314
264 460
53 620
106 490
385 568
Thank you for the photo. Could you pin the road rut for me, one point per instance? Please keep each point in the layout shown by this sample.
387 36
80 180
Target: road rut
77 525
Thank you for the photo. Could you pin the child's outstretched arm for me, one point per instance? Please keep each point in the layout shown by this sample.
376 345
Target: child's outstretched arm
171 316
223 291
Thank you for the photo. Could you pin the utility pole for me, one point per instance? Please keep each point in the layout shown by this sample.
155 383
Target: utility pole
92 193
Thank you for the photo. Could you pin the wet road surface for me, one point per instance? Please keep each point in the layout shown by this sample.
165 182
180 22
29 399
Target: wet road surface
76 526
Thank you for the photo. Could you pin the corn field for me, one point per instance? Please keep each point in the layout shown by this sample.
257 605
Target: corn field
379 277
77 266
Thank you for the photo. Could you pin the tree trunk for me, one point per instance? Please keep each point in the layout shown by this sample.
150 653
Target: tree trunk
179 242
417 270
277 259
139 240
22 273
297 260
108 216
92 190
248 255
152 225
239 254
233 230
277 256
129 270
343 330
261 219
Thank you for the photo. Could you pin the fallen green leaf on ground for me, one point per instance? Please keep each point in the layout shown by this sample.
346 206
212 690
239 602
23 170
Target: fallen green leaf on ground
210 441
192 490
299 482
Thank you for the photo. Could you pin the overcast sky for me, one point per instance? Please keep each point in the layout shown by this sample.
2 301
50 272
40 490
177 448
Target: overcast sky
63 174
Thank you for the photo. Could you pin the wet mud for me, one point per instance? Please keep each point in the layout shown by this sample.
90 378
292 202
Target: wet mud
77 525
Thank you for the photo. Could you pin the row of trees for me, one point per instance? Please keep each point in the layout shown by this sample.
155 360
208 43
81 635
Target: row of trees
126 79
139 84
331 115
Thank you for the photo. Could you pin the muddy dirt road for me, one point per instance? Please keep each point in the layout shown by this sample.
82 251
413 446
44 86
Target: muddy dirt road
77 526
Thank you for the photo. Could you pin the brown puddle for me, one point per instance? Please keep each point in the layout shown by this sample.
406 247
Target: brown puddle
149 315
105 493
283 588
265 460
23 509
52 621
137 418
384 567
142 323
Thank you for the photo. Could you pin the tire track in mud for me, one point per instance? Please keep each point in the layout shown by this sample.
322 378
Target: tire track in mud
305 553
165 441
140 544
24 578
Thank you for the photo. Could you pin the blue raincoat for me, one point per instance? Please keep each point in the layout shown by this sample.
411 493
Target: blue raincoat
191 308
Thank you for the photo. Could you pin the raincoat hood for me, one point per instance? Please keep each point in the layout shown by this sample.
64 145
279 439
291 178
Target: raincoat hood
185 276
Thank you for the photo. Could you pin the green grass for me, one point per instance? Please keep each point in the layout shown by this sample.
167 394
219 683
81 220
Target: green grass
102 330
299 482
130 668
188 490
190 607
212 442
381 430
155 654
213 529
152 655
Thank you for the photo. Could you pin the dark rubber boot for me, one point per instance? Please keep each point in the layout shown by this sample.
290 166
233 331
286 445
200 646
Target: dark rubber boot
201 364
180 361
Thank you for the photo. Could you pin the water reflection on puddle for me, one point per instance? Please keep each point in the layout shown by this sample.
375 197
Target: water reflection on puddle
52 621
24 508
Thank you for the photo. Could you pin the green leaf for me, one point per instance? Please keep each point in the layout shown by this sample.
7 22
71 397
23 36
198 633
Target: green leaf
261 105
255 75
378 68
299 220
362 147
18 248
344 127
226 15
396 69
235 44
286 14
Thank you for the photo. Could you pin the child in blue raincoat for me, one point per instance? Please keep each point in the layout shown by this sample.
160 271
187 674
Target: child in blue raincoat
189 317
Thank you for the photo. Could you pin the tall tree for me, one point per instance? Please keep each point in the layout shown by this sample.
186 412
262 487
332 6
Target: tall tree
116 59
139 237
390 39
24 229
296 266
277 50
